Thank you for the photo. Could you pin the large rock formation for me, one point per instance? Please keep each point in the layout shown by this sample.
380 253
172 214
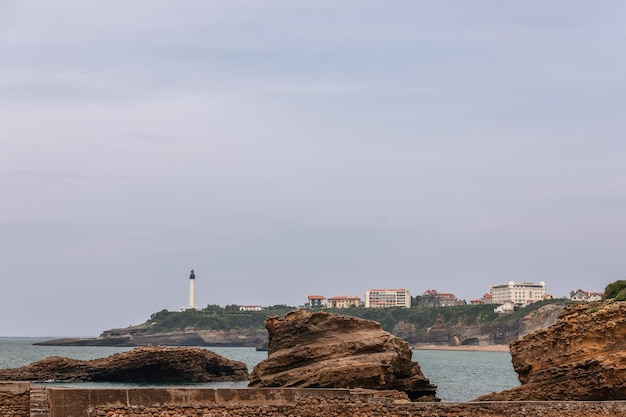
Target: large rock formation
582 357
148 364
322 350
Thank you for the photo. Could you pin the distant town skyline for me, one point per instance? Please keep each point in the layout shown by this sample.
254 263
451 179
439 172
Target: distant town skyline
282 149
505 292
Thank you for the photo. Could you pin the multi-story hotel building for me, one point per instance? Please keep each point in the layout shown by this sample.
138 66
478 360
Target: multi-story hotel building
387 298
343 301
519 293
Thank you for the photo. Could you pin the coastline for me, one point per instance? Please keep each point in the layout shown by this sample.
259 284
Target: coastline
464 348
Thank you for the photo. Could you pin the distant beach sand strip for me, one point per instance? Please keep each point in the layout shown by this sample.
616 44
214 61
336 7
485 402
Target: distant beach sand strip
485 348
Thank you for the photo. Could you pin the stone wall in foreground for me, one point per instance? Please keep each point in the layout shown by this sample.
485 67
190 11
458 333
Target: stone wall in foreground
270 402
333 407
14 399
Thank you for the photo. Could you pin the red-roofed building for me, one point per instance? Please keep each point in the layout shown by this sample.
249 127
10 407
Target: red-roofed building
432 298
487 298
316 301
343 301
581 295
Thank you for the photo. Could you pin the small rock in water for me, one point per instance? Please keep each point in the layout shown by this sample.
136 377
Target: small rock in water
146 364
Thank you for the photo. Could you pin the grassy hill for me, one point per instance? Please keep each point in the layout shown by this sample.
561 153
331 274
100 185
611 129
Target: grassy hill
413 324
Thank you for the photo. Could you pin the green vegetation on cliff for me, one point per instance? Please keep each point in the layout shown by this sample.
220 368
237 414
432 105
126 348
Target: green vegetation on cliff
616 291
423 317
213 317
408 323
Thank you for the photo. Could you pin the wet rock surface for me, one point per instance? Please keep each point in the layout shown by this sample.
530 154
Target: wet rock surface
323 350
147 364
582 357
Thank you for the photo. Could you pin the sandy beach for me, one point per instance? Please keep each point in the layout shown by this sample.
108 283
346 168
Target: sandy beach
484 348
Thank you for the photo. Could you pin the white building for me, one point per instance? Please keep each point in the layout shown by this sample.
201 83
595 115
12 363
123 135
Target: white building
387 298
519 293
581 295
507 307
251 308
316 301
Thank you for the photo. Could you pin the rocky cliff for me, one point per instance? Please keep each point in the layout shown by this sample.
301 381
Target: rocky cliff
323 350
148 364
500 332
427 326
582 357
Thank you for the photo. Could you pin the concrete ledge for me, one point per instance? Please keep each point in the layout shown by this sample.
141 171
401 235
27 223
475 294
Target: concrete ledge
14 387
68 402
157 402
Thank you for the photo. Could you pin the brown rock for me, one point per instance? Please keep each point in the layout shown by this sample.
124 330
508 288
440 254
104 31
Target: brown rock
582 357
147 364
322 350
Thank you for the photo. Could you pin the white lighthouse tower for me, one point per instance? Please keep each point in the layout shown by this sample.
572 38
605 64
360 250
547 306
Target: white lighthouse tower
192 293
192 290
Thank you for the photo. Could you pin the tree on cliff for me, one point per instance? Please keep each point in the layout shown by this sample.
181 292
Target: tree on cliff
616 290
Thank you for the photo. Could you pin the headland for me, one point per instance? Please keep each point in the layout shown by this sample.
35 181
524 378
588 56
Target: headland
471 325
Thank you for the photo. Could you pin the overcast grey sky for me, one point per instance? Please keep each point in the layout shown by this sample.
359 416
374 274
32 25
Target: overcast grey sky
284 148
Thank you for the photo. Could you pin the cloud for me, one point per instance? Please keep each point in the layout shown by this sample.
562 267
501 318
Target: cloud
69 175
258 144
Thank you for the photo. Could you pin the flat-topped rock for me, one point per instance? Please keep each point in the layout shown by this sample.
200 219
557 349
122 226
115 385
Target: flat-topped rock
146 364
323 350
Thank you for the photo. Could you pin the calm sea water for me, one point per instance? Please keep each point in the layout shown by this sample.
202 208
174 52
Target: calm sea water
466 375
459 375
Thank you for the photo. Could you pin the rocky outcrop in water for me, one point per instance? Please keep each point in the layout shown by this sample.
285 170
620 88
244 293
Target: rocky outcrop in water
323 350
147 364
582 357
142 336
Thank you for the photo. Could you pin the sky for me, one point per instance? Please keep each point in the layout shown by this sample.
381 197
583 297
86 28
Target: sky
286 148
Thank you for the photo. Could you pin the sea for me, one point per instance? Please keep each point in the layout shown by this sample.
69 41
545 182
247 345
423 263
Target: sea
459 375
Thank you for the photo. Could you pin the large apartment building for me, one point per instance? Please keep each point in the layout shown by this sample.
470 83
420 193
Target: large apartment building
387 298
518 293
